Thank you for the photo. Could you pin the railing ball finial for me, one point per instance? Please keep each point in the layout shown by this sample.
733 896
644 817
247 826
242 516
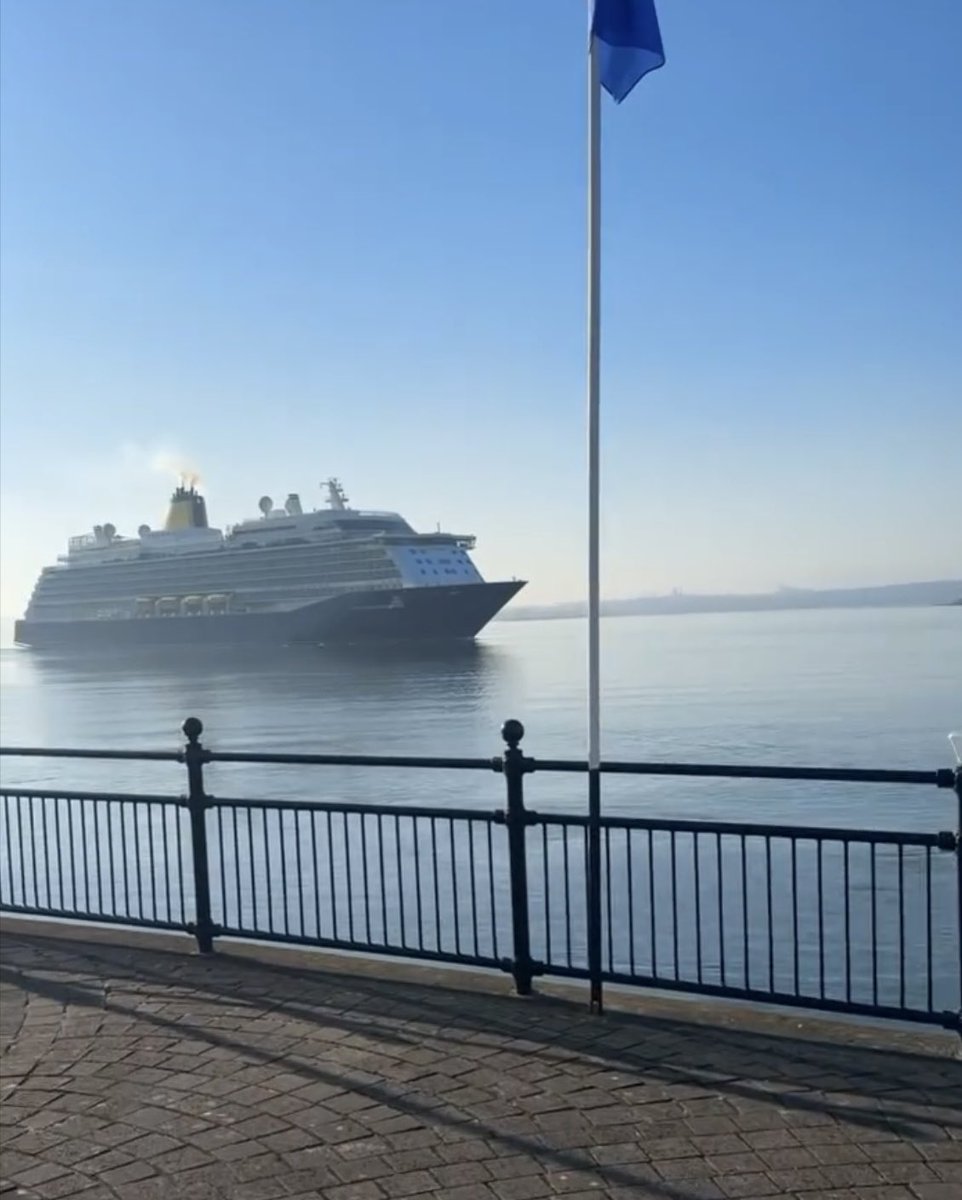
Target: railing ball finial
193 727
512 731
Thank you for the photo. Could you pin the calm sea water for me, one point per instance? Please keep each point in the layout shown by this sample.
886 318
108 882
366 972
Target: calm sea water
840 688
830 688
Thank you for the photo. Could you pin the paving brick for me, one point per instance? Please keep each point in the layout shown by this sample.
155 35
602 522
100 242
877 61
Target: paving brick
355 1191
528 1187
753 1185
215 1080
408 1183
352 1170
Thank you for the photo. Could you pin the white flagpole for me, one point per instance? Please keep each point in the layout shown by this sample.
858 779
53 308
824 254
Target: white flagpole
594 410
594 483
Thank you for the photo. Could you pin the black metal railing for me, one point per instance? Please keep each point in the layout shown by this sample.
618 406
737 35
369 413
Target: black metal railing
842 919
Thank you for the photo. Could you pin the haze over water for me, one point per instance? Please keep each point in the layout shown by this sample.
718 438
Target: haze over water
840 688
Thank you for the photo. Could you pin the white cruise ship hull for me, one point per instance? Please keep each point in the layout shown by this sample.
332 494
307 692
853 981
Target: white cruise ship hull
386 614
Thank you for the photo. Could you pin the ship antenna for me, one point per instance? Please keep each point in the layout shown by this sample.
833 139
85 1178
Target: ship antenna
336 496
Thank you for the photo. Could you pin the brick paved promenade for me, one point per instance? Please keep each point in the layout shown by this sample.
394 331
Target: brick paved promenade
155 1075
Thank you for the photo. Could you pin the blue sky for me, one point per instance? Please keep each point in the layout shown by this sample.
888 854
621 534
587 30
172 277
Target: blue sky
279 239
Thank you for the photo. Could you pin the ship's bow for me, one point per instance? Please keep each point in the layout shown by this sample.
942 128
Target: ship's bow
406 614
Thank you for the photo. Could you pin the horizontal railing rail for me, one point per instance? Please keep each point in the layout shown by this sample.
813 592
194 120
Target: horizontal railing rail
175 756
943 777
843 919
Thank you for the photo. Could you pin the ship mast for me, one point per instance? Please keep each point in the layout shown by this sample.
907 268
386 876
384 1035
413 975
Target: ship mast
336 496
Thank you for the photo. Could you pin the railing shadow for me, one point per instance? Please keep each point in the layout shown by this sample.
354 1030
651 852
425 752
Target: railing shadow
895 1092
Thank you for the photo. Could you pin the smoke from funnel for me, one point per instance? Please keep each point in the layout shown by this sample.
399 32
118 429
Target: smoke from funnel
165 462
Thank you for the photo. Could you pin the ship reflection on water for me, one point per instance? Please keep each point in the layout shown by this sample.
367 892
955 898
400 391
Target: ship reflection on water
402 700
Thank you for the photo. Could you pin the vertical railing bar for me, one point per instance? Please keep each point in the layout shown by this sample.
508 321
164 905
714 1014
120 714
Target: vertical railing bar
872 851
98 855
137 861
417 882
46 853
125 875
33 851
238 890
22 856
183 848
110 859
250 847
222 865
380 862
299 860
167 818
350 878
674 901
282 843
166 867
631 902
317 877
608 917
22 873
454 890
59 850
434 877
928 928
820 849
719 869
400 880
795 956
9 846
362 818
565 829
653 927
474 888
103 856
331 875
848 925
546 877
494 911
771 929
746 944
267 872
901 911
31 801
6 826
696 855
153 862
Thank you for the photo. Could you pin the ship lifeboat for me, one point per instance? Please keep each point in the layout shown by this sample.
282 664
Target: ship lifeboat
190 606
168 606
217 604
146 606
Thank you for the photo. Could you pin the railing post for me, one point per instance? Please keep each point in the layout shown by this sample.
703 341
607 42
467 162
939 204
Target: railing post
958 880
593 882
514 767
195 756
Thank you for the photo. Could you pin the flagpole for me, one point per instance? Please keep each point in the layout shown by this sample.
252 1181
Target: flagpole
594 495
594 408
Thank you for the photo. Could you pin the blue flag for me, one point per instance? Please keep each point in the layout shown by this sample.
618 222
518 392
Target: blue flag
628 43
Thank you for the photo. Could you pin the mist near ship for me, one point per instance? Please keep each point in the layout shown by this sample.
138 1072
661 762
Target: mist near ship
830 688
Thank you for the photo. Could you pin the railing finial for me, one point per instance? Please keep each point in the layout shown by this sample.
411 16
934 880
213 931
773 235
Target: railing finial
193 727
512 731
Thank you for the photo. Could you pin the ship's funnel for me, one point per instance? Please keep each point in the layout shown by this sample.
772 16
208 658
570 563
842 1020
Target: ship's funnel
187 510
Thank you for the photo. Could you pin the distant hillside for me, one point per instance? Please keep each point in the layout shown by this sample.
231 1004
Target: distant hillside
893 595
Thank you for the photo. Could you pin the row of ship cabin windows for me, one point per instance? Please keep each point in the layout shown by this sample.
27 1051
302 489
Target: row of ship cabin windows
427 563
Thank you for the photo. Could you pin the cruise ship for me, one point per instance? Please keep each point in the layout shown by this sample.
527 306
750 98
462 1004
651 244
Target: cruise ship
334 575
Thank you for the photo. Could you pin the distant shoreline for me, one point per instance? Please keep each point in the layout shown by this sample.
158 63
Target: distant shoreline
935 593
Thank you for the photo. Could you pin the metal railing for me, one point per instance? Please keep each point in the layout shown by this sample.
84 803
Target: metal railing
852 920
